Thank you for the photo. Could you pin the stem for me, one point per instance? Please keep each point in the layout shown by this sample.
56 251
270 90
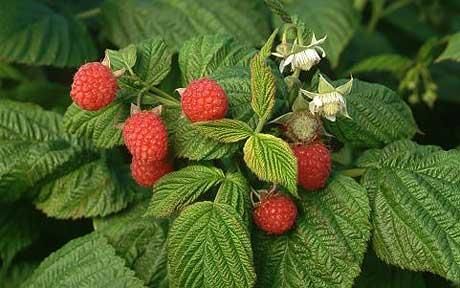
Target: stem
163 94
165 101
89 13
355 172
260 125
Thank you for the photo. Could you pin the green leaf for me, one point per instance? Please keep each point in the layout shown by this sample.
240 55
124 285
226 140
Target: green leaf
377 274
189 143
19 228
235 191
326 247
225 130
87 261
17 274
122 59
178 189
271 159
8 71
209 246
263 87
101 127
153 61
452 51
140 241
378 117
392 63
278 8
204 55
32 33
97 188
334 18
414 194
131 21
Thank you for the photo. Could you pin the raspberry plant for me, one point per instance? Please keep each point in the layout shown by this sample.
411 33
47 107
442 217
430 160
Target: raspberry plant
229 143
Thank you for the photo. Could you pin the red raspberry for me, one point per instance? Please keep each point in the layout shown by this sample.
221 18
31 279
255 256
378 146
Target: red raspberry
94 86
204 100
147 173
313 165
275 214
146 136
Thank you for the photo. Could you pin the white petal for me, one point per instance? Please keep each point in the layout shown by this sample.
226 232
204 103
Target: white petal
330 118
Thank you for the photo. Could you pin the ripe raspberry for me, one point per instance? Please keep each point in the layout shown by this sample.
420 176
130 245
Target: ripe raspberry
94 86
303 127
146 136
275 214
147 173
204 100
313 164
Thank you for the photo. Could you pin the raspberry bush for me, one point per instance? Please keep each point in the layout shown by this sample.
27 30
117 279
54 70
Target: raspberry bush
232 143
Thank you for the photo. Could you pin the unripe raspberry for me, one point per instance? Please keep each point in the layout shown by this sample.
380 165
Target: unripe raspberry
94 86
204 100
147 173
146 136
275 213
303 127
313 165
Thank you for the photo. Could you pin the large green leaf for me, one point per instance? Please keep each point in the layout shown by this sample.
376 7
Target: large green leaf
392 63
335 18
377 274
262 87
327 245
177 189
225 130
415 200
452 51
235 192
96 188
378 117
33 147
209 247
32 33
189 142
101 127
201 56
88 261
19 227
141 241
130 21
271 159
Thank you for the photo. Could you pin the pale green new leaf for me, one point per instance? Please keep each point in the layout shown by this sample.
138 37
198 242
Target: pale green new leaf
262 87
141 241
33 33
88 261
272 160
188 142
452 51
178 189
19 228
225 130
335 18
204 55
327 245
415 201
235 192
392 63
209 247
101 127
97 188
130 21
378 117
122 59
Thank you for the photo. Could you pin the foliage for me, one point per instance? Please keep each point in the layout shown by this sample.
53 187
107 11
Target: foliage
72 215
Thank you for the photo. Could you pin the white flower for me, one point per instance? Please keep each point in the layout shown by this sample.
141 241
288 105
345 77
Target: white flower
329 101
303 57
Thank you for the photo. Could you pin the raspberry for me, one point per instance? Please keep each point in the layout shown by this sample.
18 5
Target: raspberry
147 173
146 136
302 127
204 100
94 86
313 165
275 213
